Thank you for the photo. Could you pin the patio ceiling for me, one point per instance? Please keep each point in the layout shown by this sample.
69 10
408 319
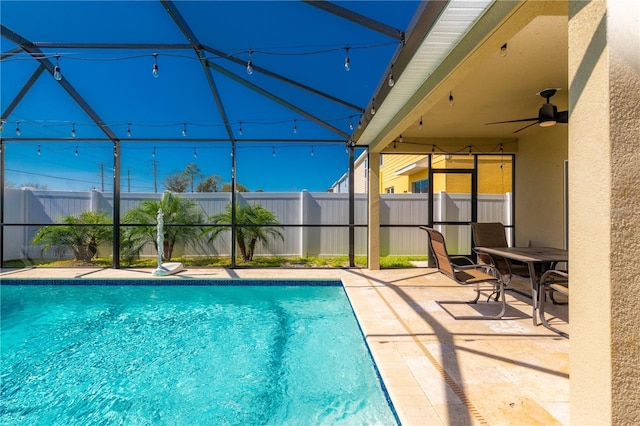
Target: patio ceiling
299 89
486 86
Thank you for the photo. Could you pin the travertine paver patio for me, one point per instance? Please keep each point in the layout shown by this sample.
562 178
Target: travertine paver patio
437 370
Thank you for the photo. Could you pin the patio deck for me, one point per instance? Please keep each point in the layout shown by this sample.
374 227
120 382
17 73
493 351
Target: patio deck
437 370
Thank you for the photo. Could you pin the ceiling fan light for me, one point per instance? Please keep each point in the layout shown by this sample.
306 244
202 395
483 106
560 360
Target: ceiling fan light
547 123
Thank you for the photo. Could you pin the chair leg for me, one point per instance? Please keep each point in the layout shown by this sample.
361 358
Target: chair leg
543 319
503 307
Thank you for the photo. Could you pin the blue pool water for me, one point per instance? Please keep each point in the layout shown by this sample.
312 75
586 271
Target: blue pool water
185 354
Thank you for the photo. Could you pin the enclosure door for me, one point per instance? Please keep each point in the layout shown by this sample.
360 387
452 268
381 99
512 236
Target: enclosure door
453 200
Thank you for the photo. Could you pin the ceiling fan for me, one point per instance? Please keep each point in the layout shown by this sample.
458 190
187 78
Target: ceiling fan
548 115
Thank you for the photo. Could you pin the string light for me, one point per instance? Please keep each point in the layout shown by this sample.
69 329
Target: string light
503 50
373 106
347 61
73 130
470 149
153 154
451 99
195 154
350 124
420 124
1 125
154 71
39 149
184 129
18 133
401 139
250 63
240 128
295 126
56 70
128 130
312 150
359 124
273 151
115 150
391 80
394 144
433 149
76 151
501 157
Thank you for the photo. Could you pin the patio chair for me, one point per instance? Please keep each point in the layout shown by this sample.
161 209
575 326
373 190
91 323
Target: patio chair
493 234
552 281
469 274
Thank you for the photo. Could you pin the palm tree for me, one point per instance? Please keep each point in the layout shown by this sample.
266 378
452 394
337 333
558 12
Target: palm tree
77 234
254 224
176 211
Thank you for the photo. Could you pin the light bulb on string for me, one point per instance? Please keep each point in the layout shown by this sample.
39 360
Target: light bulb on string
1 125
501 157
312 150
391 80
57 75
420 124
347 61
73 130
503 50
359 124
128 130
39 150
273 151
373 106
451 103
18 133
184 129
155 71
153 154
250 63
195 154
401 139
350 123
240 128
115 150
295 126
76 151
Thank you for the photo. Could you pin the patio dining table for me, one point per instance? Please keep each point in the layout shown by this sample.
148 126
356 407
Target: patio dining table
532 256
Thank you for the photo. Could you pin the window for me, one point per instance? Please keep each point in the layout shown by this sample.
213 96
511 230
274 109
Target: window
420 187
389 190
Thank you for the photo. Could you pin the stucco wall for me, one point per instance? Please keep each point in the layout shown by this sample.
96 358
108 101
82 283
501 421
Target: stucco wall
625 211
604 67
539 195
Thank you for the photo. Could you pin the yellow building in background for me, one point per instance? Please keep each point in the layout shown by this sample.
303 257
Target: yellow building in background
409 173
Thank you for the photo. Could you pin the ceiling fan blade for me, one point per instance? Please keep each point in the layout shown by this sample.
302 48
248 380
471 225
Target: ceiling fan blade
562 116
526 127
514 121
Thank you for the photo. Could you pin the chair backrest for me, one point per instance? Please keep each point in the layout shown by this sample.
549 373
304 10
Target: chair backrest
439 250
488 234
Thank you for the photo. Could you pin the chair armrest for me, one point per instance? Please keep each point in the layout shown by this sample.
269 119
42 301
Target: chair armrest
465 258
489 269
553 275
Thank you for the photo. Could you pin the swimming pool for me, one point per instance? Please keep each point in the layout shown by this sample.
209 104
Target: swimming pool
185 352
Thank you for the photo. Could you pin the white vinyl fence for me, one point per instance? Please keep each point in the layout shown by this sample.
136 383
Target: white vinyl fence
320 212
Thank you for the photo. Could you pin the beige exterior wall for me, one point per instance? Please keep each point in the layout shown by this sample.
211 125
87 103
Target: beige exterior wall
604 230
539 196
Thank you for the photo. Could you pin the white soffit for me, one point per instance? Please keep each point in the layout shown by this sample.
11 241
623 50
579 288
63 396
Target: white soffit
455 21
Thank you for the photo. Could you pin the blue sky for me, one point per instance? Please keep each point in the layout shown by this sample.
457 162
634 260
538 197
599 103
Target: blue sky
290 38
